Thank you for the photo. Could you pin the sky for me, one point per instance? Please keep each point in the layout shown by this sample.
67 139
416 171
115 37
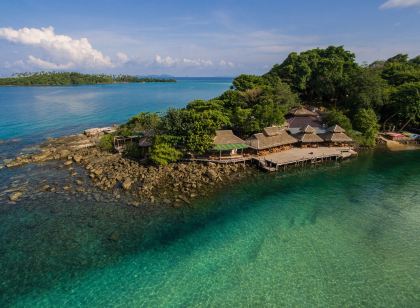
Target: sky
197 38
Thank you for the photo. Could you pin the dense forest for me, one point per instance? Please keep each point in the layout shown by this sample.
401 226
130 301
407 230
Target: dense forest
360 98
72 78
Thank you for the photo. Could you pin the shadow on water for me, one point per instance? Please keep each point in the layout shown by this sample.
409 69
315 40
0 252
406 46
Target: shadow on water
51 239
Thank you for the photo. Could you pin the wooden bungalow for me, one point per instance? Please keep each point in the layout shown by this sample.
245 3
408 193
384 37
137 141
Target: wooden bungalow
272 139
308 137
300 117
335 136
227 144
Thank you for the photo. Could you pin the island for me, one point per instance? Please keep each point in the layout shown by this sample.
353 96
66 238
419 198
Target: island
316 106
73 78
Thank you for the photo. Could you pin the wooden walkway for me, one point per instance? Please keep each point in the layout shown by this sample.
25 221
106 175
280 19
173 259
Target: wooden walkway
300 157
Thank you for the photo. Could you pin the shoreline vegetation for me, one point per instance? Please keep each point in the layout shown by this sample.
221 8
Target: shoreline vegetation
73 78
154 163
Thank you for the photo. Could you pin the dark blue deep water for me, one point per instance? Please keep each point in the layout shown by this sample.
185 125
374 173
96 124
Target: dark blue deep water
340 235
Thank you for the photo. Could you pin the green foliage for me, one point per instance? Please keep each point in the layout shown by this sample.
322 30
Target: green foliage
132 150
406 102
244 82
194 129
337 117
71 78
163 152
106 142
143 121
318 75
366 122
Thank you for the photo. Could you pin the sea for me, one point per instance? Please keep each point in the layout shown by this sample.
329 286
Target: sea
337 235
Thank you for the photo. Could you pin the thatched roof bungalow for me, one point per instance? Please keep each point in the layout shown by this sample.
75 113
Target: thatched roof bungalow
308 135
271 137
225 140
300 117
336 134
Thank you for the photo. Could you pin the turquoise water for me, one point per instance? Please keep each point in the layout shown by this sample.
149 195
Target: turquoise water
32 113
342 235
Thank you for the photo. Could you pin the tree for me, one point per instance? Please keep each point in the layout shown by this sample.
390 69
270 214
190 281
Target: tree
406 103
106 142
244 82
337 117
164 153
144 121
366 122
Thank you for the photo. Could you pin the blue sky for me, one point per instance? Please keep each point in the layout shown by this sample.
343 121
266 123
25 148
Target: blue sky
197 38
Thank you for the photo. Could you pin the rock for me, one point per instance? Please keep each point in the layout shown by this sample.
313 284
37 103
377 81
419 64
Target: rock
77 158
166 201
68 163
79 182
15 196
185 199
114 236
46 187
212 174
64 153
127 184
97 171
67 188
134 203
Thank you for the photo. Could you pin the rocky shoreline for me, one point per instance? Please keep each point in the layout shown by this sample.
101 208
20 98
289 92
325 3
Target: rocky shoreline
175 185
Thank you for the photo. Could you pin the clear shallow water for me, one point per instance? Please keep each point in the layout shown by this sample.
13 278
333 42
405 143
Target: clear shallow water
341 235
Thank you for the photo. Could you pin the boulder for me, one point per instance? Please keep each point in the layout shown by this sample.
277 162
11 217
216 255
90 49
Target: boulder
15 196
77 158
127 184
68 163
211 174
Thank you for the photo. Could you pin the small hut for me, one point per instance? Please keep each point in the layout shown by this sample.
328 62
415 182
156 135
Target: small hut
225 141
308 137
272 139
335 136
146 142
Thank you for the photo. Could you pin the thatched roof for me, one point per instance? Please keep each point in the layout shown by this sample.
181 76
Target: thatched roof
226 137
336 129
336 137
308 135
302 112
308 129
270 137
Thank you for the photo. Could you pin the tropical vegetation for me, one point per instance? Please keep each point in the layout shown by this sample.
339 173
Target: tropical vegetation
72 78
360 98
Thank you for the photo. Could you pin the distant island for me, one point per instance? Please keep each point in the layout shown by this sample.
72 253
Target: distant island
73 78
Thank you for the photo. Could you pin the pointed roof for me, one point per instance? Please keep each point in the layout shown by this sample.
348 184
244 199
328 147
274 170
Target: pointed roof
336 134
308 135
336 129
308 129
261 141
226 137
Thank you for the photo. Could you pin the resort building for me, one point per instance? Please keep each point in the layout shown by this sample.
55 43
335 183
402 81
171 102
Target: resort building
301 117
335 136
272 139
227 144
308 137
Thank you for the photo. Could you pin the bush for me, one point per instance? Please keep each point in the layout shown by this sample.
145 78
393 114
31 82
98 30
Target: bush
366 122
337 117
132 150
163 154
106 142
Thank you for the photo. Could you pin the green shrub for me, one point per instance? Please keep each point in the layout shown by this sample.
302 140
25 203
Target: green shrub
106 142
164 153
132 150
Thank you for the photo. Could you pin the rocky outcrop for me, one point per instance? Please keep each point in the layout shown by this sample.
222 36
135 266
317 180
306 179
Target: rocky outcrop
172 185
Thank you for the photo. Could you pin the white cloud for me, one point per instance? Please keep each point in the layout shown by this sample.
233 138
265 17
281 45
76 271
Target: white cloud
65 51
122 57
390 4
169 61
226 63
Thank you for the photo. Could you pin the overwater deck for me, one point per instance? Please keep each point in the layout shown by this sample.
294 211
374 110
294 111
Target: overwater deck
301 156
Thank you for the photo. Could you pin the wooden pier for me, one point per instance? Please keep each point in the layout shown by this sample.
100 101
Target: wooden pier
301 157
